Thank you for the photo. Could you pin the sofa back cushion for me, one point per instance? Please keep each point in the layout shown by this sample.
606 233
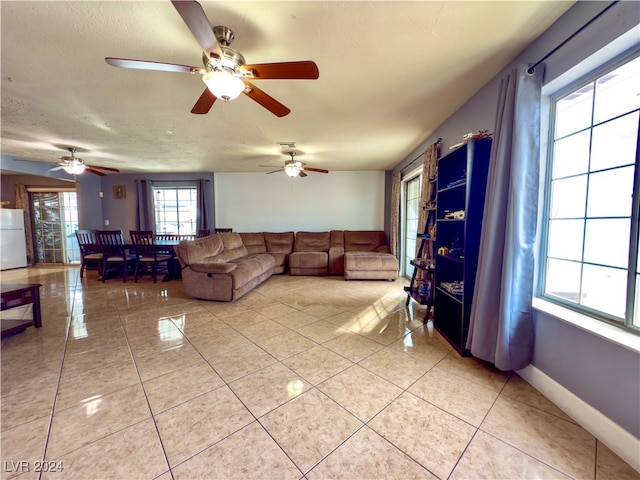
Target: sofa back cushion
233 246
363 240
312 242
337 238
200 250
254 242
279 242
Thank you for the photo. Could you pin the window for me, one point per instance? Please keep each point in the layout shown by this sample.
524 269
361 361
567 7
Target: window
591 260
175 209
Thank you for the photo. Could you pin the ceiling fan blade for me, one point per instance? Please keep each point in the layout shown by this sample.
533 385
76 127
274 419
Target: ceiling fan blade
89 169
320 170
305 70
197 21
147 65
108 169
204 103
278 170
267 101
301 173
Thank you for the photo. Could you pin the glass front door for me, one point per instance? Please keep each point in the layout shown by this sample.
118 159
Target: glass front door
55 220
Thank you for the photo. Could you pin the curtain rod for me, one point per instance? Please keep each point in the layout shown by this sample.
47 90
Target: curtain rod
421 155
172 181
532 69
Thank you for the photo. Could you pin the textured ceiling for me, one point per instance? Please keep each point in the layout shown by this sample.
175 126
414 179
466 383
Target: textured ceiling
390 73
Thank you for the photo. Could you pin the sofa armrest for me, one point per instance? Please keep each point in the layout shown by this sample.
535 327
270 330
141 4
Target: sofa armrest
383 249
213 267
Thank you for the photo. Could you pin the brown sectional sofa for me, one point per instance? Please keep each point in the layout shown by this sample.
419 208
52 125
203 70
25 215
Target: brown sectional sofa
225 266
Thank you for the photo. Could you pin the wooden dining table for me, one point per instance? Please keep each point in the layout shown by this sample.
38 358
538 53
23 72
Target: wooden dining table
164 244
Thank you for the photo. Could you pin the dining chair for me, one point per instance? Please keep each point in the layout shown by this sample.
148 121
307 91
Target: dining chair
90 253
114 253
204 232
224 230
147 255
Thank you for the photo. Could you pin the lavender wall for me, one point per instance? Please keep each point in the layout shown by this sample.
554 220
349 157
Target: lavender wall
601 373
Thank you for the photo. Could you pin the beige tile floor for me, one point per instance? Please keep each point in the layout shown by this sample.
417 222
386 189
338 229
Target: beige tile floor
305 377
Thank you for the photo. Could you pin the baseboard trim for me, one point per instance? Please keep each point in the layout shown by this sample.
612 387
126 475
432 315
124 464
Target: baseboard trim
619 440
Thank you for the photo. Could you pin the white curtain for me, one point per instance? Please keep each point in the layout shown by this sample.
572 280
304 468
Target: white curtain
501 330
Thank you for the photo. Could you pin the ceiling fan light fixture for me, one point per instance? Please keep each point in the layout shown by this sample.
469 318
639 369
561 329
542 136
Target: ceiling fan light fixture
292 169
74 168
223 84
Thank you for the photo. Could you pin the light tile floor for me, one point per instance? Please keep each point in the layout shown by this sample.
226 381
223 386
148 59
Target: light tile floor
305 377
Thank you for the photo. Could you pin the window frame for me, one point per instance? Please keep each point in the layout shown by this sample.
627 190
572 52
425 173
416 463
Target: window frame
415 174
547 159
175 187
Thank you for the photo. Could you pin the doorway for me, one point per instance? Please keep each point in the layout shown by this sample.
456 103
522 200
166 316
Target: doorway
55 219
411 209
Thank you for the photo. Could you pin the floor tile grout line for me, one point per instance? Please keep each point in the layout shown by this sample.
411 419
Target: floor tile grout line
55 396
530 455
146 398
464 450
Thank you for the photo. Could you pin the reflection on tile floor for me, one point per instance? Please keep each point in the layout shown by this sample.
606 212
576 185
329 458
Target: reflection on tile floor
305 377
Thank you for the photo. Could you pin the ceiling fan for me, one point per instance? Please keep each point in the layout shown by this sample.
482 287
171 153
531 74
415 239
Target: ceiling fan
225 72
296 168
75 165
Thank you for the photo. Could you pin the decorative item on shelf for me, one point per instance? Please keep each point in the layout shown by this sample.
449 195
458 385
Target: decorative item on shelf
443 251
457 215
472 136
454 288
423 262
424 290
433 230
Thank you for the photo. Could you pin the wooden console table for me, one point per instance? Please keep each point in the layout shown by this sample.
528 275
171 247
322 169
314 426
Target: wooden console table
17 295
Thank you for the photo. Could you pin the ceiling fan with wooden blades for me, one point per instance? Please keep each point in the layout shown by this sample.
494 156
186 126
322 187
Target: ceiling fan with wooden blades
296 168
225 72
75 165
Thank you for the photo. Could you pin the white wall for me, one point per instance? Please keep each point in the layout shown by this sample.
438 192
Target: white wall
251 202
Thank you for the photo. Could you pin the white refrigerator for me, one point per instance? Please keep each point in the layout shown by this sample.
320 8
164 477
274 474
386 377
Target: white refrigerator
13 243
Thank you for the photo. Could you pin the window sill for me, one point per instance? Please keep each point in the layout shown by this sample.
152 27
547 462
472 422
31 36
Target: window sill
600 329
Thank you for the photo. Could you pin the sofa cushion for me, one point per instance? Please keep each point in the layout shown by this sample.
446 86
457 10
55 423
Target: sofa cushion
200 250
370 265
309 263
254 242
279 242
312 242
363 240
369 261
233 246
250 267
